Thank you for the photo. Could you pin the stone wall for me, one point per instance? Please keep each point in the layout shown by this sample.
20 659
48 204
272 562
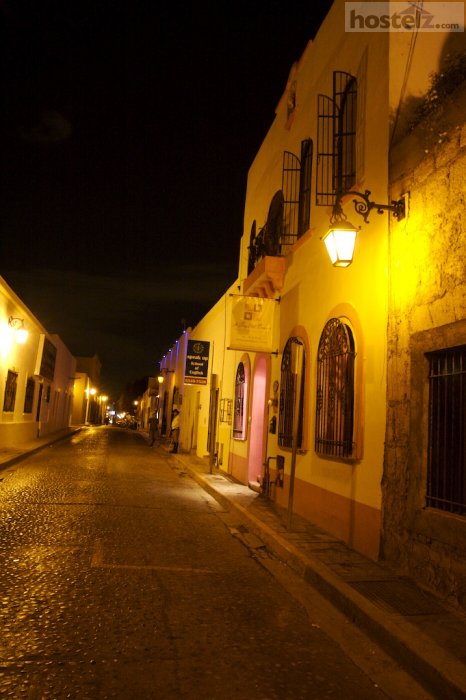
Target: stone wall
427 311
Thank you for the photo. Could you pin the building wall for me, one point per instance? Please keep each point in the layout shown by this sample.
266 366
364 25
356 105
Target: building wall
56 413
427 312
202 400
344 496
51 405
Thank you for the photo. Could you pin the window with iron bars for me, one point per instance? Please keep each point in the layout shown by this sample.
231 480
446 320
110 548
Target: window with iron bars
287 402
10 391
335 391
29 395
239 421
336 139
446 460
296 188
289 211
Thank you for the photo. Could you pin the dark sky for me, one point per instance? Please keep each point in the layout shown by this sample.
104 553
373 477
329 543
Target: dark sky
127 132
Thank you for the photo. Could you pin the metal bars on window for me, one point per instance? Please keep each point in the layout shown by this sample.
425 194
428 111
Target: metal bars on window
240 398
335 391
10 391
345 97
446 459
291 171
336 139
289 211
288 386
29 395
325 193
305 182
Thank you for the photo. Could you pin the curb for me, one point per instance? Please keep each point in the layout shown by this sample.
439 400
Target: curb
434 668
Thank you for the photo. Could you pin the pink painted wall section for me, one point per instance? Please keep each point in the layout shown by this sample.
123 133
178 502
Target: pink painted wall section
355 523
256 444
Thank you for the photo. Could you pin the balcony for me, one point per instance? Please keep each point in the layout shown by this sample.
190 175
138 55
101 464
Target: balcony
267 278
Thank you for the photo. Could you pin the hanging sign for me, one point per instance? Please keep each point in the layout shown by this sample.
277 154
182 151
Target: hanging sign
252 322
197 362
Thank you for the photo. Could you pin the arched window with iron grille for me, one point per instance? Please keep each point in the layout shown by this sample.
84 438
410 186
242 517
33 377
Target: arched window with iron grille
335 391
288 385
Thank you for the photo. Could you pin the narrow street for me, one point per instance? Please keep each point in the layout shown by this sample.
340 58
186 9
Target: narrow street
122 578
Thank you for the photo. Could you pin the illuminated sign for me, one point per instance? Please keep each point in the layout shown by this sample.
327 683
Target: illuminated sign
197 362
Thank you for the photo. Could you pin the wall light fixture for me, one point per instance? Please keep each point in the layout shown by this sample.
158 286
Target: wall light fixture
17 324
340 238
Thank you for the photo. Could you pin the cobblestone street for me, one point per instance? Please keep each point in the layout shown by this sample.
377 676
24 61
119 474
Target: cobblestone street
121 579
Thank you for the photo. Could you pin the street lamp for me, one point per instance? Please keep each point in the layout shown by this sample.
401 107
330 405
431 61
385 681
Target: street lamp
90 391
103 399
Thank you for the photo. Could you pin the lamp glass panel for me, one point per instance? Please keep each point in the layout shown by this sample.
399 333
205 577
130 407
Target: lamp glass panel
340 246
21 336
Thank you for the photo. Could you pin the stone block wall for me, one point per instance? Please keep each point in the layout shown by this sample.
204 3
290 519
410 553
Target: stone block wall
427 311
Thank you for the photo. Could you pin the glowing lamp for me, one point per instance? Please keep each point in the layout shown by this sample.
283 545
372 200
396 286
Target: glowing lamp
341 236
17 324
339 241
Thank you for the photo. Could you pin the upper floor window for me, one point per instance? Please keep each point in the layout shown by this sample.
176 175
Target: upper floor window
29 395
291 369
335 391
336 139
10 391
289 211
305 181
446 459
239 423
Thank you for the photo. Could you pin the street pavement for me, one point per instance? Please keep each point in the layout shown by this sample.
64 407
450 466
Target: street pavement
421 632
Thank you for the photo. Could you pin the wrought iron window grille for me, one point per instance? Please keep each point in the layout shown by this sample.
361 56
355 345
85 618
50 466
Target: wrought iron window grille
335 391
289 212
336 139
446 460
287 398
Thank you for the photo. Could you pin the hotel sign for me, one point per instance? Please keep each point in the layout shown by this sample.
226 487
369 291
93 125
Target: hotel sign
252 323
197 362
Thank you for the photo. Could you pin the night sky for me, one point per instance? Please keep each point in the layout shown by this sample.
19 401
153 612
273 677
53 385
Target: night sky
127 131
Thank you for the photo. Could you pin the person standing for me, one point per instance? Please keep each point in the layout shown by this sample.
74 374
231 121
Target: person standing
152 428
175 430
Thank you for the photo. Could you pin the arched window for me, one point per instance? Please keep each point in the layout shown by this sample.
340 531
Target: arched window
239 423
335 391
288 384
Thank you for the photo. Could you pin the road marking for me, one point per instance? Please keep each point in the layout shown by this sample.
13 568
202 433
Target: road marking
98 562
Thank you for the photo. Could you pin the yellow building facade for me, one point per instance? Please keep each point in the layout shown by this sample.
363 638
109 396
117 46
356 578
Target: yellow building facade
36 382
309 394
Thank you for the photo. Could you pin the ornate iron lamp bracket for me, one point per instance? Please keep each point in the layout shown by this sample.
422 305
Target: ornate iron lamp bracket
364 207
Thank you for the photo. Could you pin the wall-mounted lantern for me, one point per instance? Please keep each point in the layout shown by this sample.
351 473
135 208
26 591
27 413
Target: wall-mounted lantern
17 324
164 371
340 239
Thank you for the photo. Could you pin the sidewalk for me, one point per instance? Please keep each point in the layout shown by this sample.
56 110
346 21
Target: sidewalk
10 455
424 635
